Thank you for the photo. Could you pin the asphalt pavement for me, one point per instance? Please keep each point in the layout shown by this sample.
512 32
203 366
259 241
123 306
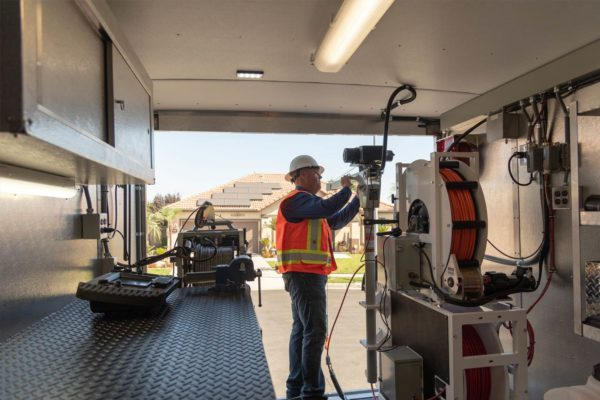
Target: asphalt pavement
274 317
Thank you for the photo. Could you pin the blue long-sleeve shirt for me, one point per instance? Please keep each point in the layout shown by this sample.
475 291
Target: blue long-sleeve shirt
305 205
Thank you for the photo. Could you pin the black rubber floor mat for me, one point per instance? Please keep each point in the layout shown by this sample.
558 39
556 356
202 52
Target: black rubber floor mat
203 345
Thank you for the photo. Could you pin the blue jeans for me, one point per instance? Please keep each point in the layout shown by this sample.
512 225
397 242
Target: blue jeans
309 329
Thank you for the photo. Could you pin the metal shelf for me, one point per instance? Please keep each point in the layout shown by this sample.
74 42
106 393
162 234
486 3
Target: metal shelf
589 218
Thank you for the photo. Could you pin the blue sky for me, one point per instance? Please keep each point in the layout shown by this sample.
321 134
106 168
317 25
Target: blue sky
193 162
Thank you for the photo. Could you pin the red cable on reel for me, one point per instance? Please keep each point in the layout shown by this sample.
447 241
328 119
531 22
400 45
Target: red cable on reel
462 245
479 380
462 208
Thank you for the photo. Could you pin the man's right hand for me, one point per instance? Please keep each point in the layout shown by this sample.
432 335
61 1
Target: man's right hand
345 181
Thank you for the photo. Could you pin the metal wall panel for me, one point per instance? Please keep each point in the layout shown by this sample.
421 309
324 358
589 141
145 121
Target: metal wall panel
497 187
561 357
41 259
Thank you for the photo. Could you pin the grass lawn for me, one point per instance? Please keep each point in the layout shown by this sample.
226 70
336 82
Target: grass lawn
344 265
333 279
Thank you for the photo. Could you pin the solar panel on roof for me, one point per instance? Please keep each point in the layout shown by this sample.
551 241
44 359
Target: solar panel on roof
248 190
267 185
231 202
242 196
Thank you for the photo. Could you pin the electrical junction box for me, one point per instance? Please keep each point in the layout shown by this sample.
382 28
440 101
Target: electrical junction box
92 225
535 158
503 125
401 260
548 157
401 374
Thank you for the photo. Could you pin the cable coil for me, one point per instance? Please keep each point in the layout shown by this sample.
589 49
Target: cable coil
479 380
462 245
462 208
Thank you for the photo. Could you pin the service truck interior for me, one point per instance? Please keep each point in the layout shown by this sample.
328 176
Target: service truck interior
487 285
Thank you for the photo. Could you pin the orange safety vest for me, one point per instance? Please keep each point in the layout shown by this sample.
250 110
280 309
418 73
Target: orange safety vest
304 246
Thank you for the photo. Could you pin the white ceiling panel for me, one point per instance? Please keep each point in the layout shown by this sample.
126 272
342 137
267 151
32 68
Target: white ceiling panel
451 51
294 97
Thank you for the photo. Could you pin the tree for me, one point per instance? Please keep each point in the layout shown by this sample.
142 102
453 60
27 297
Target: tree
160 201
158 219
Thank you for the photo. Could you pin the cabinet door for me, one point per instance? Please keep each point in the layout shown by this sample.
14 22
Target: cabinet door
70 68
132 113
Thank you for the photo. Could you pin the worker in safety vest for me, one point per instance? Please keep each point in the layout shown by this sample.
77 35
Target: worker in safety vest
305 258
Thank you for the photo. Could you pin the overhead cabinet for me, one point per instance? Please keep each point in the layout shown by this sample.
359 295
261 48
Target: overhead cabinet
76 101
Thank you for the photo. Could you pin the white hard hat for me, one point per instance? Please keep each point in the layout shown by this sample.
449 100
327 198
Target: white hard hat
300 162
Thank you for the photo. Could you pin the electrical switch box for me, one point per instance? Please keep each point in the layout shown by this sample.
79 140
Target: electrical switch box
92 225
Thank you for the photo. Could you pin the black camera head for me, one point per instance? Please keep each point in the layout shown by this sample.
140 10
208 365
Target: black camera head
366 155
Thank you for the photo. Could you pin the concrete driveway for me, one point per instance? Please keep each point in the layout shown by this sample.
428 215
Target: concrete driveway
347 354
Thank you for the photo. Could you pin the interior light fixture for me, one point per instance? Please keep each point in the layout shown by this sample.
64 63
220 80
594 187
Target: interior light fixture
22 181
351 25
244 74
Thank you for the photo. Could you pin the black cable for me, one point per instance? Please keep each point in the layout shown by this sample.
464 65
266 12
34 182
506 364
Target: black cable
88 199
382 301
464 135
126 223
124 247
388 110
444 271
518 288
116 211
563 90
529 121
337 386
546 220
105 247
512 176
129 227
188 218
104 201
566 119
544 117
536 252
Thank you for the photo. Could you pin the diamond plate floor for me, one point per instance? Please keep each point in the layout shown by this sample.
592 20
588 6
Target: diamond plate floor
204 345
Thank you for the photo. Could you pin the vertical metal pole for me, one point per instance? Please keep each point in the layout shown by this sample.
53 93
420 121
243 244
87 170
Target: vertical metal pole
578 294
370 288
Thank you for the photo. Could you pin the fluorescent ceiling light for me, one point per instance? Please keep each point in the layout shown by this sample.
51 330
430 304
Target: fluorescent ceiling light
351 25
15 180
250 74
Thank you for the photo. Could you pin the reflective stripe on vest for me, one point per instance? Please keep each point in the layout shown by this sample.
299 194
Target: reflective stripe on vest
313 239
308 257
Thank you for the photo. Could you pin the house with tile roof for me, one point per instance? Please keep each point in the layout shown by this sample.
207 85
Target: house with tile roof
251 203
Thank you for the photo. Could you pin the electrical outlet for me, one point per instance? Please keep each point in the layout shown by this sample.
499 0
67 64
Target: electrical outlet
561 198
92 224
